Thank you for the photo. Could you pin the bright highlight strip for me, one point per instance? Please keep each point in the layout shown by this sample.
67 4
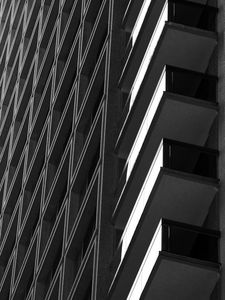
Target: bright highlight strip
149 115
140 20
148 54
142 200
147 265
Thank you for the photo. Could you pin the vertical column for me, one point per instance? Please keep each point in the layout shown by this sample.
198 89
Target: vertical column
221 135
109 167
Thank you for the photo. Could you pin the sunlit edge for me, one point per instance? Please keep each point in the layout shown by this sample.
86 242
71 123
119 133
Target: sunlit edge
142 200
147 265
140 20
148 54
146 123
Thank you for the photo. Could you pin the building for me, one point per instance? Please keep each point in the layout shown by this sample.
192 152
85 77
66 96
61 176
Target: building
112 149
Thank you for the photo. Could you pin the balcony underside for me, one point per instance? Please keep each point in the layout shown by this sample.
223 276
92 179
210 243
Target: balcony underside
135 6
175 277
178 118
177 196
179 46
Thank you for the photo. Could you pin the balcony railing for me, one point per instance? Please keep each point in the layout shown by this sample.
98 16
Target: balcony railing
175 156
177 81
179 239
189 159
148 54
203 17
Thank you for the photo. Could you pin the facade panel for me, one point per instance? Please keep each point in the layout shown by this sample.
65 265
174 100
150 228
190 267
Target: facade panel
109 163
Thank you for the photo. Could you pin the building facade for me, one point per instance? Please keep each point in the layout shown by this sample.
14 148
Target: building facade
111 149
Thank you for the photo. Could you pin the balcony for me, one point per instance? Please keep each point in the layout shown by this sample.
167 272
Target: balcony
173 41
163 27
174 188
170 115
181 263
182 107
